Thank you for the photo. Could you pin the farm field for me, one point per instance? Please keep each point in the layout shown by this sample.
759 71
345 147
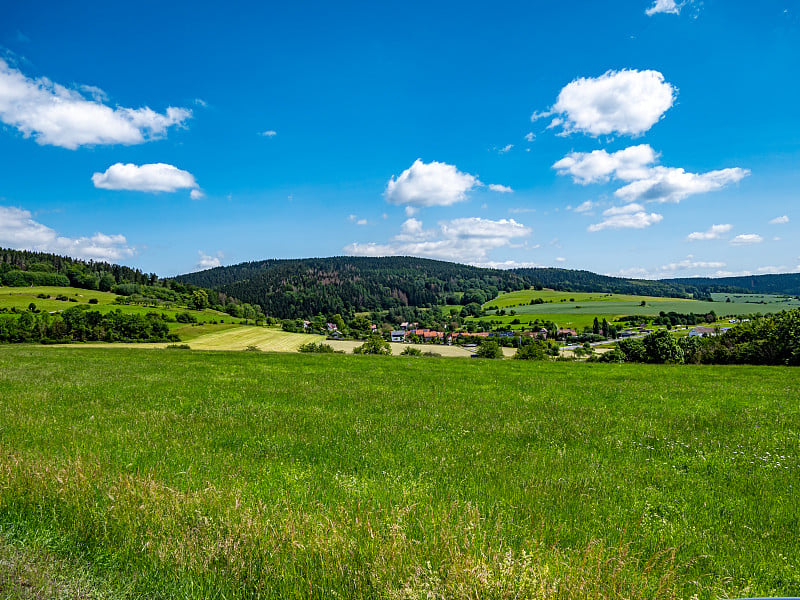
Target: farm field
585 307
244 475
347 347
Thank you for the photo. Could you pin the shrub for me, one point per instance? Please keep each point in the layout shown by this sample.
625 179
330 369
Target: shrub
316 348
411 351
374 345
489 349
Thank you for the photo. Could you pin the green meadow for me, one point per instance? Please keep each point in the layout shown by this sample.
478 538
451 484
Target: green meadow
186 474
578 309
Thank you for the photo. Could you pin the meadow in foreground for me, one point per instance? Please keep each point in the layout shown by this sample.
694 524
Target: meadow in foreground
241 475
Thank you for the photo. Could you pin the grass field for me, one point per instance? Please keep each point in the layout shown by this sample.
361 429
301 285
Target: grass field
21 298
247 475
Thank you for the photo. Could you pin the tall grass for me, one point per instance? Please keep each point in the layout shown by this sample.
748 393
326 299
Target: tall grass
247 475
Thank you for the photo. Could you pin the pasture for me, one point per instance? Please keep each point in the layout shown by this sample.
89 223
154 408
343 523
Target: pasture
261 475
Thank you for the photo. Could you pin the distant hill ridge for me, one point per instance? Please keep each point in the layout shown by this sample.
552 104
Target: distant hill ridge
291 288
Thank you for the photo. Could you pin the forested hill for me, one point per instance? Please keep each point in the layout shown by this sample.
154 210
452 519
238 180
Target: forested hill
785 283
294 288
305 287
586 281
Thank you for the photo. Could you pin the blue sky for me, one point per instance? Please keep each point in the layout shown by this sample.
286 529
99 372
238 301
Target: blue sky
645 138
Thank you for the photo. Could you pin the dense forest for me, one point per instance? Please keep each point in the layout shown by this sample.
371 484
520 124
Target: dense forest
301 288
785 283
345 285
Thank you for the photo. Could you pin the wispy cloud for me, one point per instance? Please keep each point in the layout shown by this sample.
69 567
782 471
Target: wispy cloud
779 220
270 133
712 233
502 189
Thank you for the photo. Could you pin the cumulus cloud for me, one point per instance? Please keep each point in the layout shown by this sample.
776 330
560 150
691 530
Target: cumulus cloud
664 184
530 136
779 220
58 116
156 177
627 102
632 216
269 133
209 262
462 240
19 230
600 166
196 195
668 7
503 189
648 182
431 184
713 233
747 239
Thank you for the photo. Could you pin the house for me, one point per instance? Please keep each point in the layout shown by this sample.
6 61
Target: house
707 331
567 333
404 325
398 335
332 327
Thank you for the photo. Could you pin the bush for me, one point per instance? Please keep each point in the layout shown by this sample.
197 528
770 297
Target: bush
178 347
374 345
185 317
411 351
316 348
489 349
531 352
93 301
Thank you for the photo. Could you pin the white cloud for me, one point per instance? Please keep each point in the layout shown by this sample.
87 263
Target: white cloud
627 102
770 269
689 263
600 166
209 262
506 148
57 116
560 259
664 6
635 164
779 220
156 177
19 230
361 222
521 210
503 189
196 195
530 136
584 207
747 239
713 233
506 264
269 133
462 240
664 184
431 184
632 216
